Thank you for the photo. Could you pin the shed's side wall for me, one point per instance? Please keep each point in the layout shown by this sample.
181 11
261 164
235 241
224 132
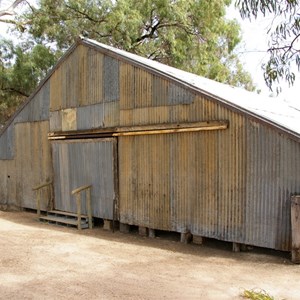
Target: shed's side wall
25 156
232 184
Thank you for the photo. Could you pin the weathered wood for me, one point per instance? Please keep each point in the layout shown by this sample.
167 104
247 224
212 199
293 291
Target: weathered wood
107 225
171 128
197 239
89 207
78 202
151 233
42 185
236 247
185 237
295 222
38 190
80 189
125 228
143 129
143 231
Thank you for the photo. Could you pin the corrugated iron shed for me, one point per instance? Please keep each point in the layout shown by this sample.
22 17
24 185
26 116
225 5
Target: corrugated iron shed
189 154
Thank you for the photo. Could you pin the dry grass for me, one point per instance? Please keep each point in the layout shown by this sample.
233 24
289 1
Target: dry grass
256 295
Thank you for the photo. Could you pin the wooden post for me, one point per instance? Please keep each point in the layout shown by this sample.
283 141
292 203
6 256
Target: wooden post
295 224
89 208
78 202
38 203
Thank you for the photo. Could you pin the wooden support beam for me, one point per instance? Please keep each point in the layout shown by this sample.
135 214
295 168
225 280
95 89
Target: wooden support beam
171 128
295 222
141 130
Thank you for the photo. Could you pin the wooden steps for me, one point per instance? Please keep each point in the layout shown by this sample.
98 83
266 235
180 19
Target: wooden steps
65 219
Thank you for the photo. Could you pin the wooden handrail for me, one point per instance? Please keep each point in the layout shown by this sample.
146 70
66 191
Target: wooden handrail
42 185
38 190
84 187
77 193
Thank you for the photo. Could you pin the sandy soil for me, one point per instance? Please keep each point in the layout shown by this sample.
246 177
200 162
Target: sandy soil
41 261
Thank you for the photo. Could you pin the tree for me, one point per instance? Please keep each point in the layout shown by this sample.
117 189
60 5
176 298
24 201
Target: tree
284 31
193 35
189 34
21 69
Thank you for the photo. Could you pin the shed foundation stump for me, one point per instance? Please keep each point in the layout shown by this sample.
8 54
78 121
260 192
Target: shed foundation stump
143 231
236 247
107 225
125 228
185 237
197 239
151 233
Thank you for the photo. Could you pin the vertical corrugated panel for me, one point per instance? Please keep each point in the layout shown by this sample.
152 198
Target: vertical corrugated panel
231 187
273 166
160 91
112 114
3 181
56 90
70 80
4 153
97 168
38 107
179 95
111 79
94 78
8 182
144 181
142 88
181 180
127 83
204 216
83 66
7 143
55 121
33 161
89 117
147 115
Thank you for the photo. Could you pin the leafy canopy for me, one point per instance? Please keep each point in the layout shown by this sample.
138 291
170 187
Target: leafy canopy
284 32
193 35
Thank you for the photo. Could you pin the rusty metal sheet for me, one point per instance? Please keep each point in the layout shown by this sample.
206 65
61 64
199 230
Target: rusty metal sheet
33 161
81 162
111 79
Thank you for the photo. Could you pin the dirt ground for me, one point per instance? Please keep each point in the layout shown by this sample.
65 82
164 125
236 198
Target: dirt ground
41 261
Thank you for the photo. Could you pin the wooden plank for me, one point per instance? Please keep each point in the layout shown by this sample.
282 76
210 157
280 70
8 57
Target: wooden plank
295 222
165 131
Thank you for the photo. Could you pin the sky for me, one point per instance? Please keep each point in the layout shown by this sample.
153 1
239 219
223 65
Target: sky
252 52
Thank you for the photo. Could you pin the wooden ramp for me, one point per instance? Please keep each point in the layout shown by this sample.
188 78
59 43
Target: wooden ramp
65 219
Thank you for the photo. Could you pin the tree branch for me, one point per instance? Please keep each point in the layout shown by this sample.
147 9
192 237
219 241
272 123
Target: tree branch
10 10
15 91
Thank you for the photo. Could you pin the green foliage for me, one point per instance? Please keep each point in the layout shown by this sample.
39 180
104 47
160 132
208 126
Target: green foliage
21 69
193 35
256 295
284 32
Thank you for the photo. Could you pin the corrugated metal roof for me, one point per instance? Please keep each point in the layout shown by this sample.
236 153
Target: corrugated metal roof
274 111
271 109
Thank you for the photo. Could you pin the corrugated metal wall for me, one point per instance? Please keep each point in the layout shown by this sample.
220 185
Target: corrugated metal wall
25 157
88 83
83 162
232 184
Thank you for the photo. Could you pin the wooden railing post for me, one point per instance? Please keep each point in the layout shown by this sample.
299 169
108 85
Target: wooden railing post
89 207
77 193
78 203
38 190
295 225
38 202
